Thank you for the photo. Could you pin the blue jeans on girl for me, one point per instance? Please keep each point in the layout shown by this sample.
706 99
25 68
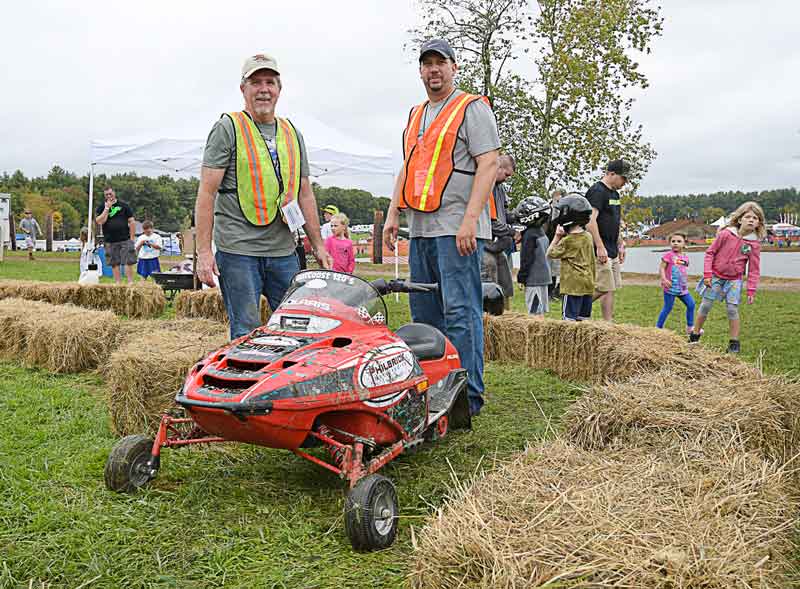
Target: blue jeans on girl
669 301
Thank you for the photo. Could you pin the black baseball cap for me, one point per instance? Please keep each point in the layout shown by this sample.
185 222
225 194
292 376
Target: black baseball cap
439 46
620 167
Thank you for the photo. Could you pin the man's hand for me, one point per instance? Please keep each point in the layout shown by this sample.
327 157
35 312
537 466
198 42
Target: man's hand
323 257
390 229
207 268
602 254
750 299
707 282
466 238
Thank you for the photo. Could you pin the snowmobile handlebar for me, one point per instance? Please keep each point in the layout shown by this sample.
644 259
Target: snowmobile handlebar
385 287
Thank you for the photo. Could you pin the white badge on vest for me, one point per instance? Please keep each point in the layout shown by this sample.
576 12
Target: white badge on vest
293 216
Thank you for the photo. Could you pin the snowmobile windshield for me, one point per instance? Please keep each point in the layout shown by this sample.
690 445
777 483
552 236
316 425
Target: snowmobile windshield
319 290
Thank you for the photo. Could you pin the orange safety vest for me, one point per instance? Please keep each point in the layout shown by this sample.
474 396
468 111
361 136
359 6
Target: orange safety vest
428 160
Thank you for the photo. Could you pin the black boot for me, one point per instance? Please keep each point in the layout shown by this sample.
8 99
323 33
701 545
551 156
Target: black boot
733 346
694 337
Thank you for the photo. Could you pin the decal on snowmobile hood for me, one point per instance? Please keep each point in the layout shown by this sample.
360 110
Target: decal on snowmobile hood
386 365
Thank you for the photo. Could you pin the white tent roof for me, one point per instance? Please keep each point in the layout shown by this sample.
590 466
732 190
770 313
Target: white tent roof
721 222
330 152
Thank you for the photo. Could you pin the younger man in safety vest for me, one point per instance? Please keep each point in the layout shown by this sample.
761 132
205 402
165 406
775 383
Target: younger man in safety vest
450 151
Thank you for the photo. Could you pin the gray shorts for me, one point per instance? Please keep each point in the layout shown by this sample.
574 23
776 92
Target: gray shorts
536 300
120 252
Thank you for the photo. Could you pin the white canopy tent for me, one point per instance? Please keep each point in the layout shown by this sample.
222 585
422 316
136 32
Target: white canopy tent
785 229
331 153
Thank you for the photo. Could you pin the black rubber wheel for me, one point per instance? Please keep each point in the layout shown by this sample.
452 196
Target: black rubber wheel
370 513
126 467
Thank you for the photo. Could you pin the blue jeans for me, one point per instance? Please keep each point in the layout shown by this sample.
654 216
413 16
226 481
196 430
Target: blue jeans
457 309
669 301
243 279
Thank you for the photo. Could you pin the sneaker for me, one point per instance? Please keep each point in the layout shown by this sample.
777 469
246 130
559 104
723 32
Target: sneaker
694 337
733 346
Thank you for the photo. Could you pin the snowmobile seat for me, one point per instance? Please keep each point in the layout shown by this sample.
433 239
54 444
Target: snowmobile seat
425 341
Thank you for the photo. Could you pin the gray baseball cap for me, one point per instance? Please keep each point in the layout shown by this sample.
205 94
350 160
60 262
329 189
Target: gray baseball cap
259 61
439 46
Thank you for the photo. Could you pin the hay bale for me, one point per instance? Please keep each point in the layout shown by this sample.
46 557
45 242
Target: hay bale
718 409
13 330
207 303
58 338
597 350
134 328
140 300
685 516
144 374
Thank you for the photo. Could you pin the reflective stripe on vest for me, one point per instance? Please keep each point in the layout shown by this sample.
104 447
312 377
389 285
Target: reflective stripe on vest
260 191
429 159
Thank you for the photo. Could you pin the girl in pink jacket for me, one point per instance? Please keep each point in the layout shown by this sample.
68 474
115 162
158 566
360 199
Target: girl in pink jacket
737 248
339 245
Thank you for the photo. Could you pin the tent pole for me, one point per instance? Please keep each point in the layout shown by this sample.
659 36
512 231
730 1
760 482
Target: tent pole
90 223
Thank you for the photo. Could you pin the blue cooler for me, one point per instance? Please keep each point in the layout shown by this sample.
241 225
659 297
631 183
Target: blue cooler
101 252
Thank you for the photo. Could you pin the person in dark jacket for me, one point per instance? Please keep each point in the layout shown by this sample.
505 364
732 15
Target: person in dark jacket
495 266
534 269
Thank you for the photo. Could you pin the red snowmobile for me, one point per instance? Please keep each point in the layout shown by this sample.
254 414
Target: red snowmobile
324 371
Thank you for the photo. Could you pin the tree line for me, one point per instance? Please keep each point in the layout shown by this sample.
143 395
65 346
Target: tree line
707 208
167 201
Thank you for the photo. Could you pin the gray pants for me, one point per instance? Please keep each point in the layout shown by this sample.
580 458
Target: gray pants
706 304
536 300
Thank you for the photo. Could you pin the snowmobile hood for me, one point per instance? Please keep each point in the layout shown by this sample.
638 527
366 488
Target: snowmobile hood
268 366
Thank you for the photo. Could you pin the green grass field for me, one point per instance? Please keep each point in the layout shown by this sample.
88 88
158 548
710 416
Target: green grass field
240 516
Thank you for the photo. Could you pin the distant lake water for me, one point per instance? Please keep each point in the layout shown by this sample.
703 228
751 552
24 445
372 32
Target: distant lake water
776 264
645 260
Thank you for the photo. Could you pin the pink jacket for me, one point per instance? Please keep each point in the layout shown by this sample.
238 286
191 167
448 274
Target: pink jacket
341 250
729 255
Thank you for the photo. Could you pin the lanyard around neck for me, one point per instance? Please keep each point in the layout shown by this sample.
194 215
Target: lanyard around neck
424 126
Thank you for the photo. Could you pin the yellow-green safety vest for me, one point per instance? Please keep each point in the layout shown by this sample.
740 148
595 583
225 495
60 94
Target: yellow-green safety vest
261 193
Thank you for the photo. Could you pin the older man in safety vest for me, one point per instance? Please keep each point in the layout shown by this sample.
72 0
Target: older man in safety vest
253 184
450 149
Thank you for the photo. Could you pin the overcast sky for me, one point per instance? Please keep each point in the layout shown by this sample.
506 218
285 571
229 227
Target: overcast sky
721 110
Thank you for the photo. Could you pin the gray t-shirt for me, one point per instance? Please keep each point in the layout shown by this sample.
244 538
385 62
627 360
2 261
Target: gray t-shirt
233 233
30 227
477 135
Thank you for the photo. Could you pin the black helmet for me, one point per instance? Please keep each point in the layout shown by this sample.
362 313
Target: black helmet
572 209
532 211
